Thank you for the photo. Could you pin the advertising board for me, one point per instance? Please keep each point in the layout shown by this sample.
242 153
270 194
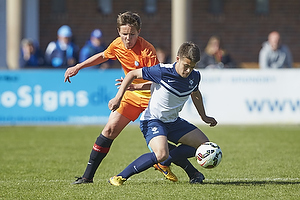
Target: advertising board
234 96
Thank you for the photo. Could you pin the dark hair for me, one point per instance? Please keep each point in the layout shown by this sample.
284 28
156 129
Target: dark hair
129 18
189 50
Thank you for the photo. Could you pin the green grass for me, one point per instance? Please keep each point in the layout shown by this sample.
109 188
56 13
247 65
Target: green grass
259 162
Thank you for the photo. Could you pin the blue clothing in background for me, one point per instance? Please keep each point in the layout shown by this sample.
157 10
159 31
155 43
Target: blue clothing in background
89 50
57 56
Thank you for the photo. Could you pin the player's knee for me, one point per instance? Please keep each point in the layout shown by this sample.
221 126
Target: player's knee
110 132
162 156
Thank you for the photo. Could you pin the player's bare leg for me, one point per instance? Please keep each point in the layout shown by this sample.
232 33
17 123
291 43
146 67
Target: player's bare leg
194 138
116 123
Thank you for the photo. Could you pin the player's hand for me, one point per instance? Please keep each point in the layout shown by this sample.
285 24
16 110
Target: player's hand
210 120
119 81
113 104
131 87
71 71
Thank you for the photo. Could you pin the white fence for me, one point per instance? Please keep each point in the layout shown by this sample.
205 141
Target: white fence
249 96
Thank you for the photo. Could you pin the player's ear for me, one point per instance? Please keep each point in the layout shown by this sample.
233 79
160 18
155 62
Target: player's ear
177 58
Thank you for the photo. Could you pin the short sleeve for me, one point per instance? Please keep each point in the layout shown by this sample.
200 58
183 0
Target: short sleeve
109 52
152 73
198 75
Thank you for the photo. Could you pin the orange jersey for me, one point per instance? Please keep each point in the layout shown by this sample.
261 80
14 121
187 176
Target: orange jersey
143 54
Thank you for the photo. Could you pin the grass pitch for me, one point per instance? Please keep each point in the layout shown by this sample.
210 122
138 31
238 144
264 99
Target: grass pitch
259 162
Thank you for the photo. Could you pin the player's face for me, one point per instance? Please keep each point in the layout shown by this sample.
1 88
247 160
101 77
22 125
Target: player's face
129 36
184 66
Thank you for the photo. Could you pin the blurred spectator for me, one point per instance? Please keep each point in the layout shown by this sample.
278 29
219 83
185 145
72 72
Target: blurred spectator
214 56
93 46
273 54
63 52
30 55
162 55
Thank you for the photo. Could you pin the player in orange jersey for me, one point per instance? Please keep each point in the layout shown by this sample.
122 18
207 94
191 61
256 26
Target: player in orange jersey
133 52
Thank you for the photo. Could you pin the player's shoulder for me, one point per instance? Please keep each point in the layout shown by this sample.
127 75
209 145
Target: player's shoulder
167 65
143 41
144 44
116 42
197 74
166 69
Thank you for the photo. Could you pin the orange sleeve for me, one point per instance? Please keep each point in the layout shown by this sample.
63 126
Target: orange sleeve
109 51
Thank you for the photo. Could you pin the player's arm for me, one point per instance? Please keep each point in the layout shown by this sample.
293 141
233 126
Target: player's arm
142 86
114 103
132 87
198 102
94 60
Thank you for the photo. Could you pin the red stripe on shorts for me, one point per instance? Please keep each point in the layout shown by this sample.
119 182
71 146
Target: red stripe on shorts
100 149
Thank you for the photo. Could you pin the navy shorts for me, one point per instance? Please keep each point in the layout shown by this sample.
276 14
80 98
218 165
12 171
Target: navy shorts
172 130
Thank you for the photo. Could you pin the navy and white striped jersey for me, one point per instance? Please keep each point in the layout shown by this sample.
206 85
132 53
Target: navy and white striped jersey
169 91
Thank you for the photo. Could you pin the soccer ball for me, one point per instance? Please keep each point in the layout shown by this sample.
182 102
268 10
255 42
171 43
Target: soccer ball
209 155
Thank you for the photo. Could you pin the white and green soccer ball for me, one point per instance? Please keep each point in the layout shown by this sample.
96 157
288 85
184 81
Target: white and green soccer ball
209 155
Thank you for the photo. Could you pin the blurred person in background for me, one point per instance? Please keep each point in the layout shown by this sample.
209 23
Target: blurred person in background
273 54
30 55
93 46
214 56
63 52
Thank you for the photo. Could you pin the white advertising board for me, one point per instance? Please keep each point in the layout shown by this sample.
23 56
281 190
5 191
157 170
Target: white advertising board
249 96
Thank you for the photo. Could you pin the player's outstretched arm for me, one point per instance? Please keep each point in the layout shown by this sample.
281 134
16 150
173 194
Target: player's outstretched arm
94 60
114 103
198 102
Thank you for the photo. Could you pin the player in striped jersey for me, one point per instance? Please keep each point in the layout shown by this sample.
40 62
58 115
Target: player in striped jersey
172 85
